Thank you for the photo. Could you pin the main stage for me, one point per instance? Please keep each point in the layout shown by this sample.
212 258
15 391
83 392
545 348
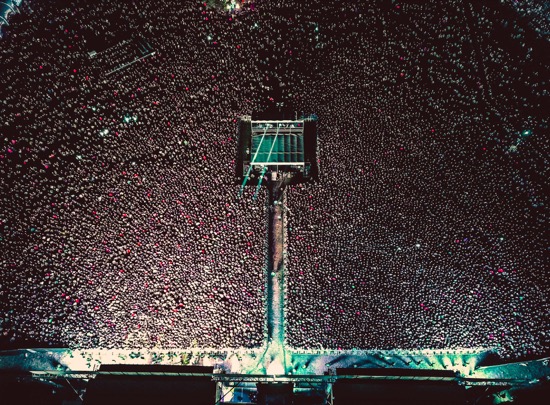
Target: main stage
316 375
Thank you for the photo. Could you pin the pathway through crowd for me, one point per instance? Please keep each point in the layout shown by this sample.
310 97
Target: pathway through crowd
275 361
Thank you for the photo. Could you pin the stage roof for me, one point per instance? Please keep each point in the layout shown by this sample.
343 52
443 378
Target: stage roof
277 143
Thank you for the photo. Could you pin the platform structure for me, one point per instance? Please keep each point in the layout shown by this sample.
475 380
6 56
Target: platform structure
319 377
120 56
278 143
276 146
7 9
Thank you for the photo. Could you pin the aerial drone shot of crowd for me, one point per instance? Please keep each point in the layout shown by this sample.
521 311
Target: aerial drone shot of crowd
119 222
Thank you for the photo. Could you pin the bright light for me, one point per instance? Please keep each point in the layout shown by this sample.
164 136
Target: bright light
232 5
276 368
128 118
502 397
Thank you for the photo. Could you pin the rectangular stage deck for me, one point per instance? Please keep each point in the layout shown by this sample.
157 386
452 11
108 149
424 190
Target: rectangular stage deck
277 143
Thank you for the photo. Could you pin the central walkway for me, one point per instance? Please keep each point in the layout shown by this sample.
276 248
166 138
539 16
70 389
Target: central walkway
275 360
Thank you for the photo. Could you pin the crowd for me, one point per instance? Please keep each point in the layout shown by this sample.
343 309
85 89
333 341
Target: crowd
119 225
119 222
534 13
426 228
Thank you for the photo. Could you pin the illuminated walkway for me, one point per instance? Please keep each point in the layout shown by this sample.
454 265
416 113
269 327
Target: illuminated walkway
275 359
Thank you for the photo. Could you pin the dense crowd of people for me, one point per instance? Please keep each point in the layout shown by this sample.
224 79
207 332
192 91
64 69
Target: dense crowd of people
120 226
426 227
534 12
119 223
